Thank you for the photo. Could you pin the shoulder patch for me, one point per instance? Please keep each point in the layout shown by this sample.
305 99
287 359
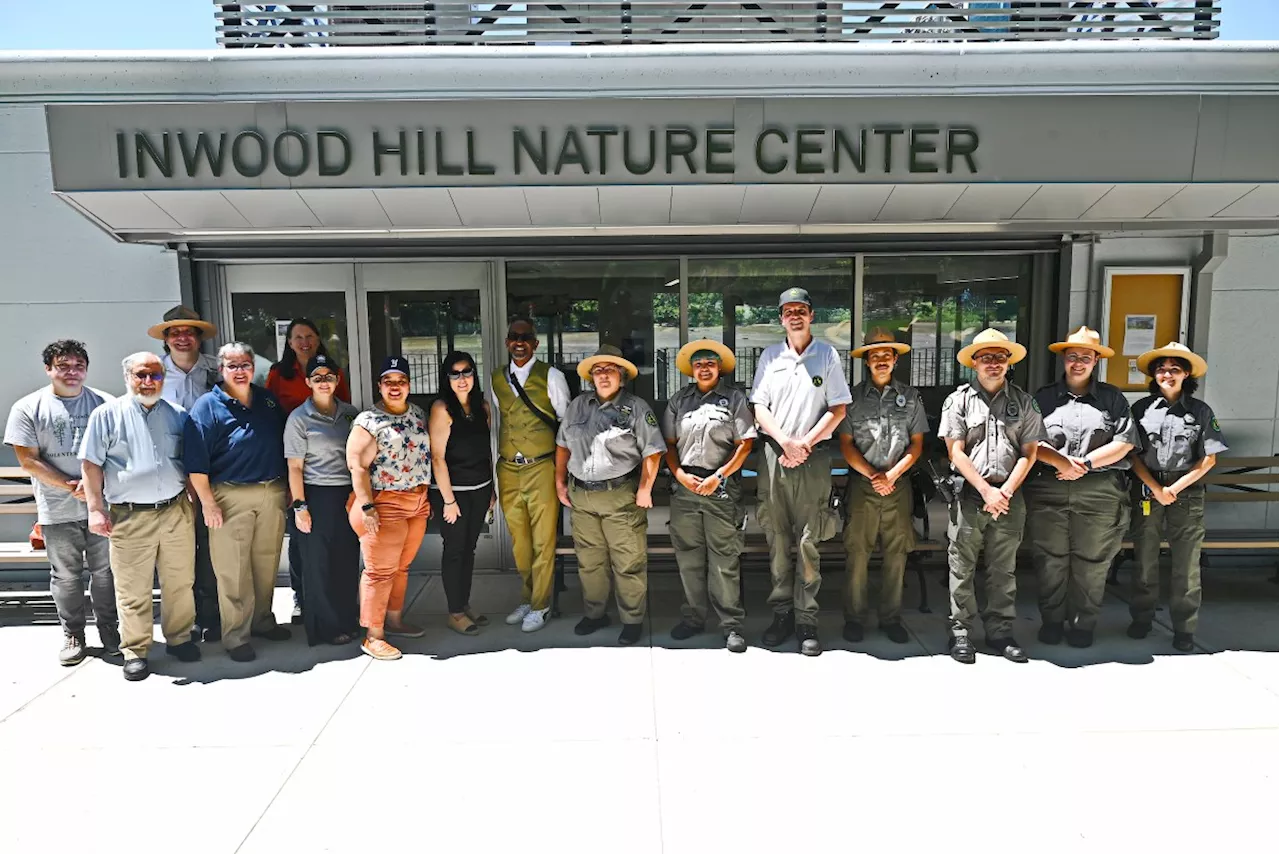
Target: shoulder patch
817 382
1214 423
946 404
1035 405
650 419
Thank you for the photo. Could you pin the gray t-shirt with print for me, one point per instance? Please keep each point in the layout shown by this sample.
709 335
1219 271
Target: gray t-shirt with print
55 426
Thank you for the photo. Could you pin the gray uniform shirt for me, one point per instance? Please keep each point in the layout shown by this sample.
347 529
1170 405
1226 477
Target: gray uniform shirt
1079 424
55 426
799 388
320 442
608 440
883 422
139 450
994 428
1175 438
707 427
185 387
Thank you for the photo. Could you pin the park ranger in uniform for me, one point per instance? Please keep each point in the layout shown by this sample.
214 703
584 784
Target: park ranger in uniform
1078 493
709 432
607 458
1180 442
800 394
992 429
881 438
530 397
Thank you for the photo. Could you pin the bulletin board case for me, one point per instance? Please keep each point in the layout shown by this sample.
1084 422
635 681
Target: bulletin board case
1144 308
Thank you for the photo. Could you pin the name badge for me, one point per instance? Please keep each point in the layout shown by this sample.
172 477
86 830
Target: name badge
1011 410
901 401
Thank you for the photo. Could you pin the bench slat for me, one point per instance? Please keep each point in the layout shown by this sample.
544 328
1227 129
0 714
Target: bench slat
1223 479
1246 462
17 509
16 489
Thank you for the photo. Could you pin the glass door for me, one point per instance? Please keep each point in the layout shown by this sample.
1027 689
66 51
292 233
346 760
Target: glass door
423 311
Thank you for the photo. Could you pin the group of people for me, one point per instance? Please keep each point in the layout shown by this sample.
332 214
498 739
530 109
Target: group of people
195 474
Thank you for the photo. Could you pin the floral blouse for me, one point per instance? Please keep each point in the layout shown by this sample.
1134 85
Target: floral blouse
403 461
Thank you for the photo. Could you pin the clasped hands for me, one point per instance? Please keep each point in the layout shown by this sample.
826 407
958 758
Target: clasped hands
699 485
795 452
995 501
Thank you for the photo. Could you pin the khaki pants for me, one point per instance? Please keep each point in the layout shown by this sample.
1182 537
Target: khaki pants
246 556
971 531
872 517
146 543
402 523
1182 524
793 508
532 511
609 537
708 542
1075 527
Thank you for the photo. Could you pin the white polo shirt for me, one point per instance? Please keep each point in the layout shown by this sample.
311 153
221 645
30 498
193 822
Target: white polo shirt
799 388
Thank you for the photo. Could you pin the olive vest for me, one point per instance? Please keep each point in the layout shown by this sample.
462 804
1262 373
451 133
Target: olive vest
520 430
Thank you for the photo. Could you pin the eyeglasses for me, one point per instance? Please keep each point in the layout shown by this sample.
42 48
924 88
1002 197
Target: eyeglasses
324 378
605 370
992 359
143 376
238 366
1171 370
464 374
70 367
1083 360
522 336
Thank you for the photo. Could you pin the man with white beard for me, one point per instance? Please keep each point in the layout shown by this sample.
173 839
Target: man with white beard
132 457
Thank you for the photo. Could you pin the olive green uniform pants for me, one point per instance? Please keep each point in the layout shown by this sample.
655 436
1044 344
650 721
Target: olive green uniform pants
705 531
794 510
609 538
873 517
1182 525
532 511
971 531
1075 527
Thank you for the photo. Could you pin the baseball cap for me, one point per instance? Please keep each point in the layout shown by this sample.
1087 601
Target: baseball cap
794 295
394 365
320 361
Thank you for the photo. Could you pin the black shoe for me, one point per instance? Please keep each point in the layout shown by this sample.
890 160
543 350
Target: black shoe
1138 630
587 625
1182 642
852 631
684 631
807 635
896 632
185 652
962 650
1050 633
211 635
243 652
275 633
1080 638
296 617
135 670
630 634
782 627
735 642
1008 648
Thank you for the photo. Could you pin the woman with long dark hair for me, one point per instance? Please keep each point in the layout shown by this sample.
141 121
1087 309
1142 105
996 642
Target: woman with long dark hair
462 487
1180 443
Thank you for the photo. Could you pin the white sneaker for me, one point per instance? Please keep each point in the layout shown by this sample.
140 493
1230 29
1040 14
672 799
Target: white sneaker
518 614
535 620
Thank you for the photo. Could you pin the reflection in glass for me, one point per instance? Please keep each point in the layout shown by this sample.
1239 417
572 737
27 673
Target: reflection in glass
579 305
735 301
424 326
260 320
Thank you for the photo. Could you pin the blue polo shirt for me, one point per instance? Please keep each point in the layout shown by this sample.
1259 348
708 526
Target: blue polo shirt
232 443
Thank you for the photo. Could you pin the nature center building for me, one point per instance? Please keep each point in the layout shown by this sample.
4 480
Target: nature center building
642 174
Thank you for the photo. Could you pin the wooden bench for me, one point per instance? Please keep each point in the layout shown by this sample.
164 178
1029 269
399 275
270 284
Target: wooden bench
17 498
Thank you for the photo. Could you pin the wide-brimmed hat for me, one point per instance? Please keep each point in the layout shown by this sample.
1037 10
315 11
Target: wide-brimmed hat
684 359
1174 350
991 339
180 315
607 353
1086 339
875 340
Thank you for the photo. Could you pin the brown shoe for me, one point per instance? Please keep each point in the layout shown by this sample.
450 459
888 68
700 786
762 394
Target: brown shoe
462 624
404 630
379 649
478 619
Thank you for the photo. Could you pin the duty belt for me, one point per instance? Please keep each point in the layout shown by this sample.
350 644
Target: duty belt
521 460
603 485
1167 478
158 505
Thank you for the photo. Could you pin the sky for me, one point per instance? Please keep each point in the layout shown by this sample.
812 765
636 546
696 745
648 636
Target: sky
188 24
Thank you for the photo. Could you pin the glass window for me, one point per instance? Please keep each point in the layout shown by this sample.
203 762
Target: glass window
260 320
579 305
735 301
423 326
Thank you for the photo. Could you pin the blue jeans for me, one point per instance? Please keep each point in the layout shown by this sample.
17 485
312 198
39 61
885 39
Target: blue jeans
69 545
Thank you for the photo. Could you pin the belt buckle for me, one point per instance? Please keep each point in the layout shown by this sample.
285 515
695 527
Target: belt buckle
519 459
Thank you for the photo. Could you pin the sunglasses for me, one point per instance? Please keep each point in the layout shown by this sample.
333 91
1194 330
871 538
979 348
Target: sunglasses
143 376
522 336
464 374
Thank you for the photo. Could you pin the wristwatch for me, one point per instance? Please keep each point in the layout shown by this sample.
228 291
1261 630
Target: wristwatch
298 505
1088 464
367 507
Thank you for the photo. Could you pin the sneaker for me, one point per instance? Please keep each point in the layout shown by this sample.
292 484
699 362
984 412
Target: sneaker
807 635
110 638
684 631
72 651
296 617
535 620
518 615
782 627
962 650
1050 633
1138 630
735 642
379 649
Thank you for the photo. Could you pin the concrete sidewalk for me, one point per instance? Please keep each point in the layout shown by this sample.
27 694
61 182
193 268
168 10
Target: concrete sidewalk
550 742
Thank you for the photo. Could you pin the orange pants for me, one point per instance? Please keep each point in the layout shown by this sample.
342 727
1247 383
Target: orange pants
402 518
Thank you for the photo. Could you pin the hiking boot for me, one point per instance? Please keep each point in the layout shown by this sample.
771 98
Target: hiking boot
1080 638
782 627
1050 633
1138 630
1183 642
72 651
896 632
853 631
962 650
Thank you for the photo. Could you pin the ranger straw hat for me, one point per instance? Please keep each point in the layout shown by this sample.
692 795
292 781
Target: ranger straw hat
991 339
1086 339
1174 350
607 353
684 359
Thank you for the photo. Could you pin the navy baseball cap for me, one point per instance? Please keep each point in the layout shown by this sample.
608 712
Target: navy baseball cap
794 295
320 361
394 365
